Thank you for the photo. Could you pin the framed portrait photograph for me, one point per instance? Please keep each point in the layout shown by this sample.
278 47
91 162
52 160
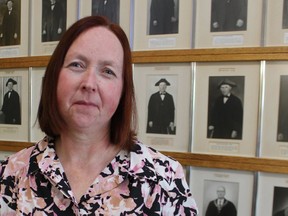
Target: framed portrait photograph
14 104
115 10
222 192
36 77
228 23
163 98
225 105
276 25
274 131
162 24
14 28
272 198
50 19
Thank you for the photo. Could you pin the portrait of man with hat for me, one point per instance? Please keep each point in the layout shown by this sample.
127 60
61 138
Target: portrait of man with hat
226 115
11 104
161 110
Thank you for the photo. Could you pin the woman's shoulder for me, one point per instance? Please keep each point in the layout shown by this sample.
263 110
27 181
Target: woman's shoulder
163 165
142 149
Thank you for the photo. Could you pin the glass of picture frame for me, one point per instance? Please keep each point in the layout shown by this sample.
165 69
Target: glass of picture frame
274 137
276 23
14 30
174 107
237 187
14 106
237 114
43 16
36 76
115 10
175 32
228 23
272 197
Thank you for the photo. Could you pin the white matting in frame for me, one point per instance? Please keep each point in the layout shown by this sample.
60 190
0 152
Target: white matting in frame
181 32
40 44
238 186
276 33
36 76
207 77
5 154
272 194
249 34
179 77
121 16
18 46
274 134
14 121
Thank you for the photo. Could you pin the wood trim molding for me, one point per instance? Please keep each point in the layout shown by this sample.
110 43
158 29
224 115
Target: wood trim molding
230 162
166 56
197 160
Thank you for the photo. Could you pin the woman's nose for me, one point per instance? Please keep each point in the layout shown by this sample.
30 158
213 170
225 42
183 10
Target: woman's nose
89 81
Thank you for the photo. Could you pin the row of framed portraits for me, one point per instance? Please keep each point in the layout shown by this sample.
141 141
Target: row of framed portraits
149 24
181 120
245 193
255 110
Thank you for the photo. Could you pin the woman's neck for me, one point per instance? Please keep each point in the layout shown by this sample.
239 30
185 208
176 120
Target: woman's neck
74 148
83 160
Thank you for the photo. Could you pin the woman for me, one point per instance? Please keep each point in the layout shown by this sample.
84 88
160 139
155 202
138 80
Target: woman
90 163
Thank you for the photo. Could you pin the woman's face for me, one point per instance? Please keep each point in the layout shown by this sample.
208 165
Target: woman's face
91 80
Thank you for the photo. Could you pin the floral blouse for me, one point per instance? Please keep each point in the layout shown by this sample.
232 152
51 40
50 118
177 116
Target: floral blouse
140 182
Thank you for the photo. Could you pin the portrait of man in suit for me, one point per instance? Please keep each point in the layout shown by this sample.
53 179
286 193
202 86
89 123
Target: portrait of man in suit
285 15
220 198
221 205
163 16
53 19
225 113
282 130
161 110
11 104
107 8
10 23
228 15
280 201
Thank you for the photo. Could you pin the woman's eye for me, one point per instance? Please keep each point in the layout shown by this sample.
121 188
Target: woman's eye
109 71
75 64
